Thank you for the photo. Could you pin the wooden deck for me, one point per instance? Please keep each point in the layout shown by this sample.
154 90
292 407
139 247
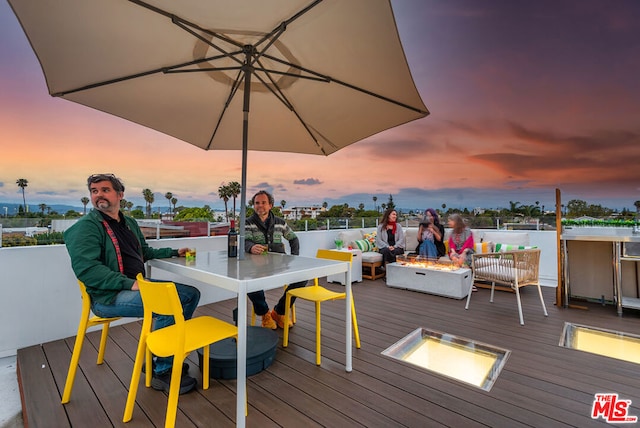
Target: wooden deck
542 384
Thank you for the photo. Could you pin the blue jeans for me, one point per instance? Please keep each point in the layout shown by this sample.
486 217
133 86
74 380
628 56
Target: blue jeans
428 248
128 303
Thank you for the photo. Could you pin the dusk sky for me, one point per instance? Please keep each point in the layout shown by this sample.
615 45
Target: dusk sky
525 97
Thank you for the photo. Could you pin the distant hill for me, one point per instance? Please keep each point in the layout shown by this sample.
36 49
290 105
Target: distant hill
12 208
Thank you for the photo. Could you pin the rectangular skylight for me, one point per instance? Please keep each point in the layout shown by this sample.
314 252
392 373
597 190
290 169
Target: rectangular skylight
462 359
610 343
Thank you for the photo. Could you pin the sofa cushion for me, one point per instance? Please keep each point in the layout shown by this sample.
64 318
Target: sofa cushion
410 239
371 257
496 273
350 236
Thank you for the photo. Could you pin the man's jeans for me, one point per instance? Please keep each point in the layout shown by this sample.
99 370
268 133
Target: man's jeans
129 304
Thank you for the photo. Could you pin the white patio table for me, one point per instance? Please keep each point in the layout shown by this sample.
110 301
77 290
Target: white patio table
257 272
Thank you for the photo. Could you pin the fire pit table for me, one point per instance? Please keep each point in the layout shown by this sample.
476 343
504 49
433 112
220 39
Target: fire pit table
429 276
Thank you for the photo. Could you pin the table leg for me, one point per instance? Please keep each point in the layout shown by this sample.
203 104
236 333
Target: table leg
617 277
241 363
347 278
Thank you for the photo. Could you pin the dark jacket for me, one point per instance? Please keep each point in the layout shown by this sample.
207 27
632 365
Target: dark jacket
256 232
94 259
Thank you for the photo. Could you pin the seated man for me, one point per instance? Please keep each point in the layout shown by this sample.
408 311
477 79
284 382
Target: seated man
107 251
264 232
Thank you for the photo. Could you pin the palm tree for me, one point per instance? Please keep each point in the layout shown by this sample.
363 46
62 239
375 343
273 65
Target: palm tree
234 191
174 201
224 194
361 206
22 183
129 205
283 203
85 201
42 208
149 198
325 204
375 207
169 195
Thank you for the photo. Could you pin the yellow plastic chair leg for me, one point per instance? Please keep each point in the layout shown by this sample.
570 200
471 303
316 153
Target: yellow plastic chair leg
287 313
103 343
75 358
205 366
141 354
354 321
86 321
174 391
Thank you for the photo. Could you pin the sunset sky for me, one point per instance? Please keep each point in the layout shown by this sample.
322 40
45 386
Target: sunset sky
525 97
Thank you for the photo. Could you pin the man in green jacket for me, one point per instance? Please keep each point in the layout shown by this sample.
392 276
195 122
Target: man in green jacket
265 232
107 251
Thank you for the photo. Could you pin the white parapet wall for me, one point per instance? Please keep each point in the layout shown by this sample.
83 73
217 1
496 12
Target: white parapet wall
40 300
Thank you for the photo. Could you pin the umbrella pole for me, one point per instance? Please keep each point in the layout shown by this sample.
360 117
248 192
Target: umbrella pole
248 69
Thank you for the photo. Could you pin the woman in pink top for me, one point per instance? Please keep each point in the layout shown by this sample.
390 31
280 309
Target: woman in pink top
460 241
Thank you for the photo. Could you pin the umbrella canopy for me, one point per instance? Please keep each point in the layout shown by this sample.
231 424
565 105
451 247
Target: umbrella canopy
315 76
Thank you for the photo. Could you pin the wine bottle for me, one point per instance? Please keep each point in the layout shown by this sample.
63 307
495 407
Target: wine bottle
232 240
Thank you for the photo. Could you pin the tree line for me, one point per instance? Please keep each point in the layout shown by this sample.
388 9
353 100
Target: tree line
230 191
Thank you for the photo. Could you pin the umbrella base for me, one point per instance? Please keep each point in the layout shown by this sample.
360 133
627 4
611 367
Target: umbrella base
261 350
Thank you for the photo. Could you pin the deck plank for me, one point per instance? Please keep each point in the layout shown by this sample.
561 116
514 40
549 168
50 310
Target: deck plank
542 384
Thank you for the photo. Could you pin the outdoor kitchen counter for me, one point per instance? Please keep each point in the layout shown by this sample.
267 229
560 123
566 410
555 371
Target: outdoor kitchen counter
601 264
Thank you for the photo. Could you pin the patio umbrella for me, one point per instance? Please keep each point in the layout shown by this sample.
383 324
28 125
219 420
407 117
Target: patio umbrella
316 76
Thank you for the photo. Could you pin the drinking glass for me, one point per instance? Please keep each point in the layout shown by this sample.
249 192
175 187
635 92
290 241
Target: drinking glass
338 243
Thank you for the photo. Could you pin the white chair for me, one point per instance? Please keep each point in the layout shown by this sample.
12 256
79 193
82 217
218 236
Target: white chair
515 269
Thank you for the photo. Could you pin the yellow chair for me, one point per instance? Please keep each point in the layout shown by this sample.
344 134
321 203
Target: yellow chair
86 321
177 340
318 294
293 312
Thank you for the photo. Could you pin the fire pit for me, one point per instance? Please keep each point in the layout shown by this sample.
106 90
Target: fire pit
429 276
426 263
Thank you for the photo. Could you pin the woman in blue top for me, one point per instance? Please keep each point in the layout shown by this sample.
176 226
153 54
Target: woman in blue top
430 234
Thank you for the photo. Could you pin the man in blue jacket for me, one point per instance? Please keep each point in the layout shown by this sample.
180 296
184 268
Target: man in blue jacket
107 251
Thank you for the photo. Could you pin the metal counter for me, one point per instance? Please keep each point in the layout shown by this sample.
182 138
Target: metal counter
598 268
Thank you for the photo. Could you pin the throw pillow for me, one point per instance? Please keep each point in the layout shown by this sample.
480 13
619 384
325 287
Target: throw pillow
363 245
371 237
482 247
509 247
